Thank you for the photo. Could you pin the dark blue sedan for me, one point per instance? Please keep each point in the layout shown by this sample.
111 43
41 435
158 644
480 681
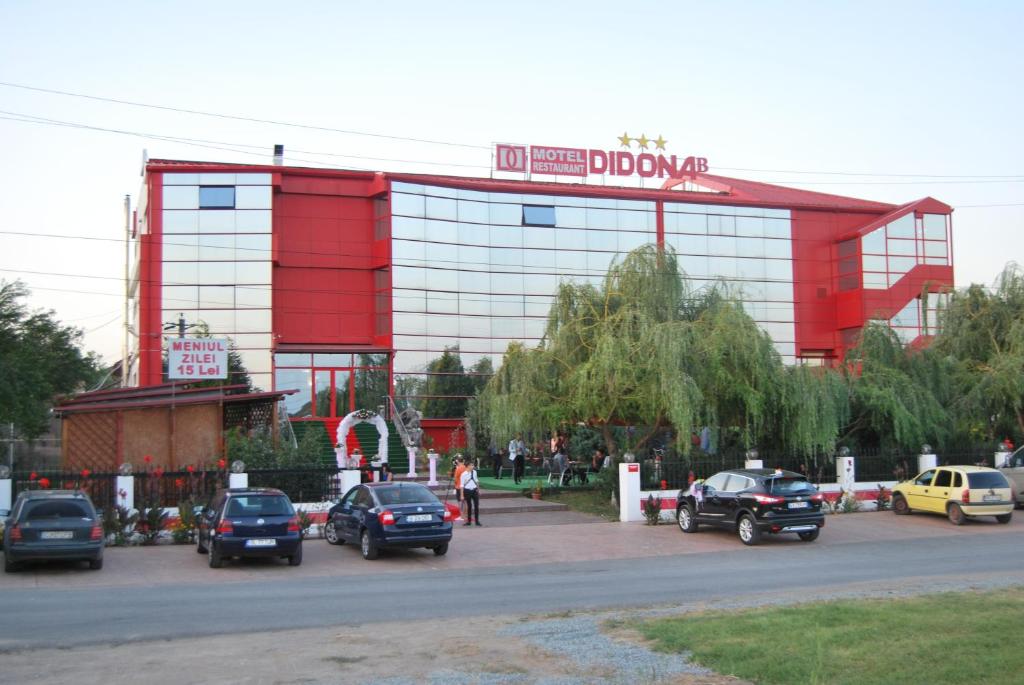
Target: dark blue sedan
389 516
249 522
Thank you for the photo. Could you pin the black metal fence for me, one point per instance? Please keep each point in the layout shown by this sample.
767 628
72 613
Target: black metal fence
101 487
308 484
170 488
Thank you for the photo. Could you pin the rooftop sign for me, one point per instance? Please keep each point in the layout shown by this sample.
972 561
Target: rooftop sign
574 161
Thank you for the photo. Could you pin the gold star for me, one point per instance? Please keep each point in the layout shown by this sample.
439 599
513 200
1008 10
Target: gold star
660 142
642 141
624 139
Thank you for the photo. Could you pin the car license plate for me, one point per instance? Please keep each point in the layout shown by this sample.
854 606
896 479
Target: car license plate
56 535
992 498
798 505
418 518
260 543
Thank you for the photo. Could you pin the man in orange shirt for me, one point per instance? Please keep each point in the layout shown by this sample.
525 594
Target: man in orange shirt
457 479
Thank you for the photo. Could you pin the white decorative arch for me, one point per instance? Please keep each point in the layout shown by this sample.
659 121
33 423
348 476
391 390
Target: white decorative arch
361 416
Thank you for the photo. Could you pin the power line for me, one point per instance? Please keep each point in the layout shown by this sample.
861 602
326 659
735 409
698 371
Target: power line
217 115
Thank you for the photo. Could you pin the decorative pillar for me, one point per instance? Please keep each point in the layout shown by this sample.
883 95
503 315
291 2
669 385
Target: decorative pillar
846 473
1000 458
347 479
238 480
432 458
5 493
926 460
411 451
126 492
629 492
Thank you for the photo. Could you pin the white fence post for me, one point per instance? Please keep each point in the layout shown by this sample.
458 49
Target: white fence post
238 480
846 473
412 461
5 493
1000 458
629 492
126 492
925 462
347 479
432 458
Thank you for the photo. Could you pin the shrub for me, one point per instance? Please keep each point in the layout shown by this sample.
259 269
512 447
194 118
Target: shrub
884 498
305 522
183 532
652 510
118 525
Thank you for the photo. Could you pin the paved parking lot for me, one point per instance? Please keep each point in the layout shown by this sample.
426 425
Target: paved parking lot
585 538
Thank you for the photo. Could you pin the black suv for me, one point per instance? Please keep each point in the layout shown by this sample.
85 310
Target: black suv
53 524
249 522
753 502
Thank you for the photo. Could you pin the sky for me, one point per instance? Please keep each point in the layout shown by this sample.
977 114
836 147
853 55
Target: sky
890 101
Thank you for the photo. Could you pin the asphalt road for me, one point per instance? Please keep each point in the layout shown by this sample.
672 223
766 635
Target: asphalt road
54 617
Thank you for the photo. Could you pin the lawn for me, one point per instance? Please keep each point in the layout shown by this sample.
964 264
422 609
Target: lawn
954 638
586 501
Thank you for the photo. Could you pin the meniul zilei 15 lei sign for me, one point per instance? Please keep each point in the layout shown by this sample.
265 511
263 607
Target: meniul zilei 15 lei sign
197 358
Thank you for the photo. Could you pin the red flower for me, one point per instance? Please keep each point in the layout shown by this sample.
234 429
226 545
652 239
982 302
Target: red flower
86 473
180 482
147 459
222 463
664 485
158 472
32 476
190 468
44 482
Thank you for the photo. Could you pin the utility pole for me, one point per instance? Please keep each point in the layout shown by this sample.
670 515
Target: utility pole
127 286
10 448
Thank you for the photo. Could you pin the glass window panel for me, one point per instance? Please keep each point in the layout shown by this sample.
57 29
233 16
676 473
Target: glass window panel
442 302
323 392
218 197
538 215
537 306
507 305
475 326
692 223
778 248
721 246
694 265
474 212
901 265
216 221
875 281
181 179
542 260
598 262
217 179
410 324
216 296
778 292
255 361
403 227
442 279
252 320
179 296
181 248
507 236
473 256
292 359
180 221
901 247
909 315
750 247
602 240
847 248
408 205
180 272
507 328
442 208
181 197
934 248
252 341
252 297
777 228
506 256
332 360
448 231
506 214
408 187
506 283
252 272
753 269
571 262
370 388
300 404
440 191
873 263
540 284
602 218
442 325
750 226
408 300
874 242
778 269
253 179
220 321
634 221
252 247
630 240
935 226
474 281
253 221
571 217
721 225
782 332
778 311
216 248
408 252
722 267
570 239
902 227
936 260
474 304
692 244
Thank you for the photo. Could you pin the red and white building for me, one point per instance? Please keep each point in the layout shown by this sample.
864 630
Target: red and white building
339 283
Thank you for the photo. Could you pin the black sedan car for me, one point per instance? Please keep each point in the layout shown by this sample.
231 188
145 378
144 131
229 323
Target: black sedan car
753 502
249 522
389 516
53 524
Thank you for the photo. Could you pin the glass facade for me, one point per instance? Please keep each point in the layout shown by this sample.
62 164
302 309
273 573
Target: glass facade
477 270
216 252
890 251
331 385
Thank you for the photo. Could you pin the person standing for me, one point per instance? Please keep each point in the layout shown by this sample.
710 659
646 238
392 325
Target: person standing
460 468
517 453
470 487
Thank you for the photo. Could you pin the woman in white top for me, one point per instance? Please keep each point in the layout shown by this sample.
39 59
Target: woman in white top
471 493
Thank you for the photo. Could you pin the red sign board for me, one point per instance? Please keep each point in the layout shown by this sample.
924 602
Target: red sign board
574 161
633 468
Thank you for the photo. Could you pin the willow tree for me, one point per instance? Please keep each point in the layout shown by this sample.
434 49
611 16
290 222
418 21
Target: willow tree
643 350
983 336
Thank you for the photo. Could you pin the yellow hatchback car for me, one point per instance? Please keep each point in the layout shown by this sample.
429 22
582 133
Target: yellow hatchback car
958 492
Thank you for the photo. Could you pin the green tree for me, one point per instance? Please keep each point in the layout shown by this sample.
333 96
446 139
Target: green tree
982 334
40 358
447 386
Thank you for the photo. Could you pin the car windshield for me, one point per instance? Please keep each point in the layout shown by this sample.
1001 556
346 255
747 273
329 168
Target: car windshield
260 505
790 486
987 479
406 494
57 509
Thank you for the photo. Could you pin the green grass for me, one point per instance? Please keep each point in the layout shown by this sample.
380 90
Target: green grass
968 637
587 502
491 483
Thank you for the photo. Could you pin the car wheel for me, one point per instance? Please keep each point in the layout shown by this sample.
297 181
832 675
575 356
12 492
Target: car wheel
810 536
1004 518
331 534
296 559
369 550
900 506
96 564
685 519
956 514
750 534
441 549
214 556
